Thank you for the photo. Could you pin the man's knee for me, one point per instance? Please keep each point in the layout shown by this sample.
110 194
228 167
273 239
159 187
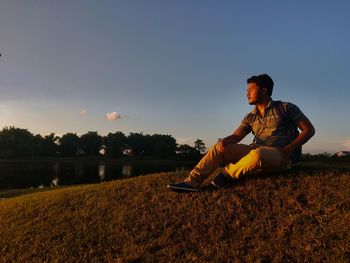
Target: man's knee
256 155
262 156
269 158
216 147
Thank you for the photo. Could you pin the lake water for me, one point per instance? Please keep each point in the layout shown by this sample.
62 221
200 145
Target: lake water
38 174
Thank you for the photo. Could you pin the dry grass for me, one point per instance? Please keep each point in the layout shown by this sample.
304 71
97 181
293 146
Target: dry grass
18 192
300 216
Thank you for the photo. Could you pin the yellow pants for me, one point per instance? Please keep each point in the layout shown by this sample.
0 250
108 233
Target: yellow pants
238 159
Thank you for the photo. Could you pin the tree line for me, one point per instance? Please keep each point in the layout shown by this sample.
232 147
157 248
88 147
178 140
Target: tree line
21 143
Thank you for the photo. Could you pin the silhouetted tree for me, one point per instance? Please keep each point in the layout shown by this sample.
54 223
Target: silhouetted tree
139 143
16 143
200 146
37 146
50 146
114 144
45 146
91 143
157 145
163 146
69 144
186 152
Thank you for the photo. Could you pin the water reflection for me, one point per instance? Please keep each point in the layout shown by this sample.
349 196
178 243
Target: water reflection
55 181
102 172
56 168
127 170
79 169
26 174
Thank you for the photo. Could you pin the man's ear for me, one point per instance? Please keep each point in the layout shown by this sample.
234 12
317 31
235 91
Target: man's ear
265 91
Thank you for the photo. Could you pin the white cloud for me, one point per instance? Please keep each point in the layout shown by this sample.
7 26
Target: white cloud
112 116
83 112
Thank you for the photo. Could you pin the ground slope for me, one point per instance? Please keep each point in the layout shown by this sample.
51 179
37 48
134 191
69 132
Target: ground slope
303 215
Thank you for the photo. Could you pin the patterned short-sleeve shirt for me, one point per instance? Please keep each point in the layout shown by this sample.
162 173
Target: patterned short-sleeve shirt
277 128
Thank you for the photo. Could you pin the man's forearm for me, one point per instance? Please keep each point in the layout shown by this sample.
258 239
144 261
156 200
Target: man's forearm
302 138
233 138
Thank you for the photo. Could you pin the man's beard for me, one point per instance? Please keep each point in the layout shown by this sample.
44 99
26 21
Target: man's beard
252 102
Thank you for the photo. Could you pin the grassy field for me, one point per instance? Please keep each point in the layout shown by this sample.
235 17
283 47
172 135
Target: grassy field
299 216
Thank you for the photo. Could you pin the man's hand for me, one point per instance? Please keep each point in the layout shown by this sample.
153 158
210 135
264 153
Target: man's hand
307 131
227 140
236 137
220 145
287 151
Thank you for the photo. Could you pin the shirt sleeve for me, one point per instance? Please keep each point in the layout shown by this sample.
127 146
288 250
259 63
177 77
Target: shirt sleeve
294 113
246 125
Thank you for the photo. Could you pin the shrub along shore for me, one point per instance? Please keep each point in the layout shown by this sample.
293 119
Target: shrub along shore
302 215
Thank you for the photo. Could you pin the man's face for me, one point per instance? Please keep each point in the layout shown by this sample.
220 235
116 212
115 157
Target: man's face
255 94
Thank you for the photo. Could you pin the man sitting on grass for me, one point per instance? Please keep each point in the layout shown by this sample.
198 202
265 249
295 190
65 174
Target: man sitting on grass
277 141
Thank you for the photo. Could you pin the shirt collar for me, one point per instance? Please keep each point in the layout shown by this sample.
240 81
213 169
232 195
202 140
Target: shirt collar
269 104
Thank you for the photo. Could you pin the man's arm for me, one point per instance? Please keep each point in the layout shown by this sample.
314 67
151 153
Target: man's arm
307 131
236 137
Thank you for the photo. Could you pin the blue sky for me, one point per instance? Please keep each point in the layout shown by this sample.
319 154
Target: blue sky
172 67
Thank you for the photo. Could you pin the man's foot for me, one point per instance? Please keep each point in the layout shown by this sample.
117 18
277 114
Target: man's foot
222 180
182 187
